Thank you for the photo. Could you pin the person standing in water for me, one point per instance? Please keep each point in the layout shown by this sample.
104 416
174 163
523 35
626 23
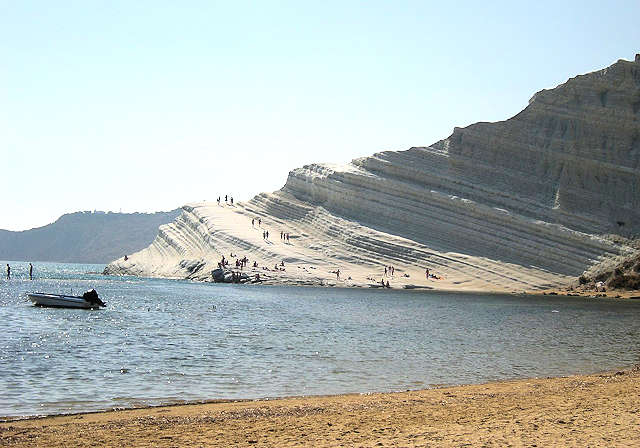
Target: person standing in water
30 271
8 272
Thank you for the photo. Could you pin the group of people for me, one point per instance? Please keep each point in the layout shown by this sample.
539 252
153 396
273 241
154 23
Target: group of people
242 262
429 275
226 199
30 272
279 268
265 233
389 271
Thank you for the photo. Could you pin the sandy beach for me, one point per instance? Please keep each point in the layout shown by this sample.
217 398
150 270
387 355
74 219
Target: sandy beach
588 410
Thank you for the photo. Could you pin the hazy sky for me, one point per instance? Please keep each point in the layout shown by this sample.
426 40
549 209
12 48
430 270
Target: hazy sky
148 105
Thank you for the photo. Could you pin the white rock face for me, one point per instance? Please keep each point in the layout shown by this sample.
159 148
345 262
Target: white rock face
510 205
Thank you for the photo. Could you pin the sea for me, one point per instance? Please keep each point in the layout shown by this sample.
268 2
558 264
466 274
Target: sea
164 341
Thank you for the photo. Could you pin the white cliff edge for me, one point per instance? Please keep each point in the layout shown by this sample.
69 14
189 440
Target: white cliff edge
527 203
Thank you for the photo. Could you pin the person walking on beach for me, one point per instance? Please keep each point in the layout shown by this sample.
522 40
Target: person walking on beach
267 234
338 274
30 271
225 198
218 200
231 200
8 272
253 222
427 272
260 222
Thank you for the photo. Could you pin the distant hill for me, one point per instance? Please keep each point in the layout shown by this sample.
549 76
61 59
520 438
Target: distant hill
85 237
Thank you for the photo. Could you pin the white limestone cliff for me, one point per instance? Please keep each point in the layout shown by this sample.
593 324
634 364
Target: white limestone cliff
525 203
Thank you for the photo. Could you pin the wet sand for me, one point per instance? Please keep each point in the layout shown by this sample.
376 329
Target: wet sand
591 410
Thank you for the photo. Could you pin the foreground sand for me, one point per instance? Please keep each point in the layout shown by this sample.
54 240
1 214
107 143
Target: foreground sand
594 410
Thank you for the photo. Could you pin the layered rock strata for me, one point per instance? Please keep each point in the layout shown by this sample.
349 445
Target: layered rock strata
524 203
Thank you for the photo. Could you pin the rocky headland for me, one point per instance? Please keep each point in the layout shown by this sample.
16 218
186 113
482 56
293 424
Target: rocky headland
529 203
84 237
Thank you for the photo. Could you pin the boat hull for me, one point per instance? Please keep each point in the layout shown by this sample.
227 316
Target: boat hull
61 301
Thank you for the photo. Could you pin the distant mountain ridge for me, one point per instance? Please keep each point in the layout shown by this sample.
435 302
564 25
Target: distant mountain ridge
85 237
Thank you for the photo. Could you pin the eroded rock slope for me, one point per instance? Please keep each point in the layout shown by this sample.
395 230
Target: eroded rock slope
524 203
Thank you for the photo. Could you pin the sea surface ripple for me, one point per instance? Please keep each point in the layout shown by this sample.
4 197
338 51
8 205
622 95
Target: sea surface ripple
168 341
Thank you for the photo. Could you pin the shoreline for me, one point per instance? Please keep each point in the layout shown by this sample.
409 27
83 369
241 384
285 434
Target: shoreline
187 403
600 409
558 291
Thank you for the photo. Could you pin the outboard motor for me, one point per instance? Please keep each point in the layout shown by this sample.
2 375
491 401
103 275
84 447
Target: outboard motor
91 296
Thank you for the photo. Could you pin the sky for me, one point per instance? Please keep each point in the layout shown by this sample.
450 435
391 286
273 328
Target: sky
149 105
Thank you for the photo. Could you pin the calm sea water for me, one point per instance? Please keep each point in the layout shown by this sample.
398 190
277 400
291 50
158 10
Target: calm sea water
162 341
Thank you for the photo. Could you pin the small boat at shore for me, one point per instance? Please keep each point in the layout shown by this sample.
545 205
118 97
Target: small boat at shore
89 300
